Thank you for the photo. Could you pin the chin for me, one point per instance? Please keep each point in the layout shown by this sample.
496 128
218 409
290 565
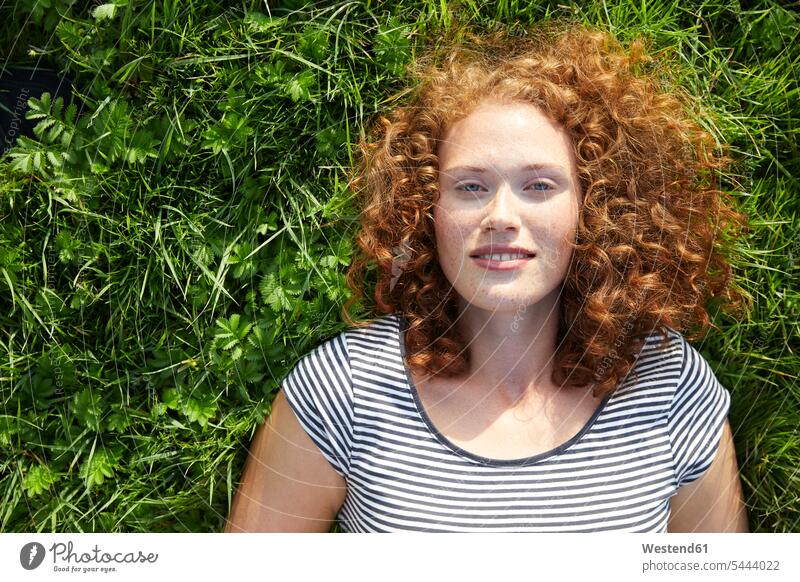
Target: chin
499 302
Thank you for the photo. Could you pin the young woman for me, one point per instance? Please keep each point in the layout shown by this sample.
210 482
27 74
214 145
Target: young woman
545 220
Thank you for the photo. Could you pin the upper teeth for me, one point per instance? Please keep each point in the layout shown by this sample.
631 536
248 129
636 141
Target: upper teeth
503 257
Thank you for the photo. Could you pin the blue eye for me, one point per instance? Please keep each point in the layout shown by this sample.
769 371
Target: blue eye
541 186
465 186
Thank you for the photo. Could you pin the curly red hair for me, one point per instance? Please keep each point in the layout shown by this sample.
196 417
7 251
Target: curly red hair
651 242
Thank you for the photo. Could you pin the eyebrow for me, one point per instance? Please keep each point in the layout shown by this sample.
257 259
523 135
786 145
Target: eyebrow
480 170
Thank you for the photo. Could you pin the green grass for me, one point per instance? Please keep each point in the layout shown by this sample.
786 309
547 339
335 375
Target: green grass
167 255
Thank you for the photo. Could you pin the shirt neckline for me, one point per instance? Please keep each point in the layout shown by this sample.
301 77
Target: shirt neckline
402 326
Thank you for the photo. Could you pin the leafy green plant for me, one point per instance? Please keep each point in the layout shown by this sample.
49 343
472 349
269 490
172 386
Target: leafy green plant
175 238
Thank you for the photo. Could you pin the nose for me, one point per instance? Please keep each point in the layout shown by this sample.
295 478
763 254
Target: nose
502 212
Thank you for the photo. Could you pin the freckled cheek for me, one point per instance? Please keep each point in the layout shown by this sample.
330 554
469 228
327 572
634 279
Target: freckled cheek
451 245
452 237
551 234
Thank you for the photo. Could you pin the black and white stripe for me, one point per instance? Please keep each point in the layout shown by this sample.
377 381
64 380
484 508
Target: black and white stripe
658 431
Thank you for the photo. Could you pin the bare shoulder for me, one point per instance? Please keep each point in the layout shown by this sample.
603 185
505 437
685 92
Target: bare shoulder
714 501
287 485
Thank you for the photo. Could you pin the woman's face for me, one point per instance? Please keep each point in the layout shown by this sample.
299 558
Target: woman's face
507 178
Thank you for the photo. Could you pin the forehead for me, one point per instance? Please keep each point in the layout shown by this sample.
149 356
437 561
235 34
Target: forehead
505 131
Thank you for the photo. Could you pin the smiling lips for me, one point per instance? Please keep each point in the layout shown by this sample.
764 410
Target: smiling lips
501 257
502 264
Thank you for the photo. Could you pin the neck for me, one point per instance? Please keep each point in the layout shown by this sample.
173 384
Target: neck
512 351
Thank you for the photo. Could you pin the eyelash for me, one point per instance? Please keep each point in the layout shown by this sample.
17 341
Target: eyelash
460 186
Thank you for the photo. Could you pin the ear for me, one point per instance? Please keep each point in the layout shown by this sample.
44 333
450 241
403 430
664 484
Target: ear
401 254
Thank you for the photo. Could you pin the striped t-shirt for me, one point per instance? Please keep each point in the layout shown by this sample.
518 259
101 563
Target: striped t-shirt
657 431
